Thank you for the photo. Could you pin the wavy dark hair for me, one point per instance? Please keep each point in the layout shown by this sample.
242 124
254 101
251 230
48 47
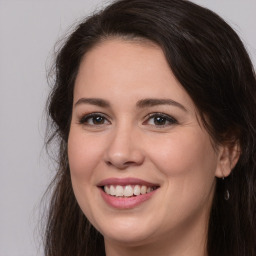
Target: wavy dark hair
209 60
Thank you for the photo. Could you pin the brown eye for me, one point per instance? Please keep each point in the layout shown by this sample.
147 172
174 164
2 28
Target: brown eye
98 120
160 120
94 119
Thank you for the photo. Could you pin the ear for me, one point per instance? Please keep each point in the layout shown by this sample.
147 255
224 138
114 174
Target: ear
228 156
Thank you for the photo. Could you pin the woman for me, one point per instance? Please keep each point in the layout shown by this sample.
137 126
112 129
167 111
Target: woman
154 109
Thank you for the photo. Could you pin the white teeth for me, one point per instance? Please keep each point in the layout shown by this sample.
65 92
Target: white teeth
149 189
112 191
143 190
136 190
127 191
107 189
119 191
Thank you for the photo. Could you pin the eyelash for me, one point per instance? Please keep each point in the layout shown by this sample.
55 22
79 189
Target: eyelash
85 120
165 118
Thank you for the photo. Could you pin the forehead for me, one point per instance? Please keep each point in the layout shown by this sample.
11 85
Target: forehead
124 52
134 68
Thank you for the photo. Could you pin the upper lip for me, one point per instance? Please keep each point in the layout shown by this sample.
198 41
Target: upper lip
125 181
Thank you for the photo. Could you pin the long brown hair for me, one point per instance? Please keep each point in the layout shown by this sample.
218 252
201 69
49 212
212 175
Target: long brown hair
209 60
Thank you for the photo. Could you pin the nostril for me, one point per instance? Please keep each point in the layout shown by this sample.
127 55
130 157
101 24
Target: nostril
121 165
108 163
122 159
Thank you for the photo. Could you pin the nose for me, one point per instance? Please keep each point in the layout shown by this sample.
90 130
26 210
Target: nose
124 149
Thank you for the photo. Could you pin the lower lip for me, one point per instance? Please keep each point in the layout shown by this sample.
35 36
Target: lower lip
126 202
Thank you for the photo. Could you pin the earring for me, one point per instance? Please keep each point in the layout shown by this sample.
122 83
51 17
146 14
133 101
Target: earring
226 193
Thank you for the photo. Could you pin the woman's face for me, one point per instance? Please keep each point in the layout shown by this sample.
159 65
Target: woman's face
135 134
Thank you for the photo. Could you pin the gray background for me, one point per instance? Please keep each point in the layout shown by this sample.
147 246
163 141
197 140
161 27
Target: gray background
28 32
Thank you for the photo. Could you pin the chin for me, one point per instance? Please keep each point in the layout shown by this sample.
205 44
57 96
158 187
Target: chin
131 232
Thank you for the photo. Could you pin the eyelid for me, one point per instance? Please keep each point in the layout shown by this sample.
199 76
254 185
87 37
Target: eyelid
85 117
169 118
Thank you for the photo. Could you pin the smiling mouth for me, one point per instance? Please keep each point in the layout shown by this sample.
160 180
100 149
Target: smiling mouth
128 190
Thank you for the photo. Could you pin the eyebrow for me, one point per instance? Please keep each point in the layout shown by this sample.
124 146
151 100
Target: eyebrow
93 101
155 102
140 104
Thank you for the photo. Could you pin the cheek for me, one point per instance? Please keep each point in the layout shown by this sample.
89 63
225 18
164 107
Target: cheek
184 152
83 154
188 162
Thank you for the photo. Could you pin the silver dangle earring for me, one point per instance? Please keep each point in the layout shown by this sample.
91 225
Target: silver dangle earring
226 192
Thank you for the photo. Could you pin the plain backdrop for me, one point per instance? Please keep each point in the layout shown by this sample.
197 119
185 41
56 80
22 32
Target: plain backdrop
29 30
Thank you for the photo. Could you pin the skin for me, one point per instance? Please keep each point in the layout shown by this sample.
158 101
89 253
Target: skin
124 140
